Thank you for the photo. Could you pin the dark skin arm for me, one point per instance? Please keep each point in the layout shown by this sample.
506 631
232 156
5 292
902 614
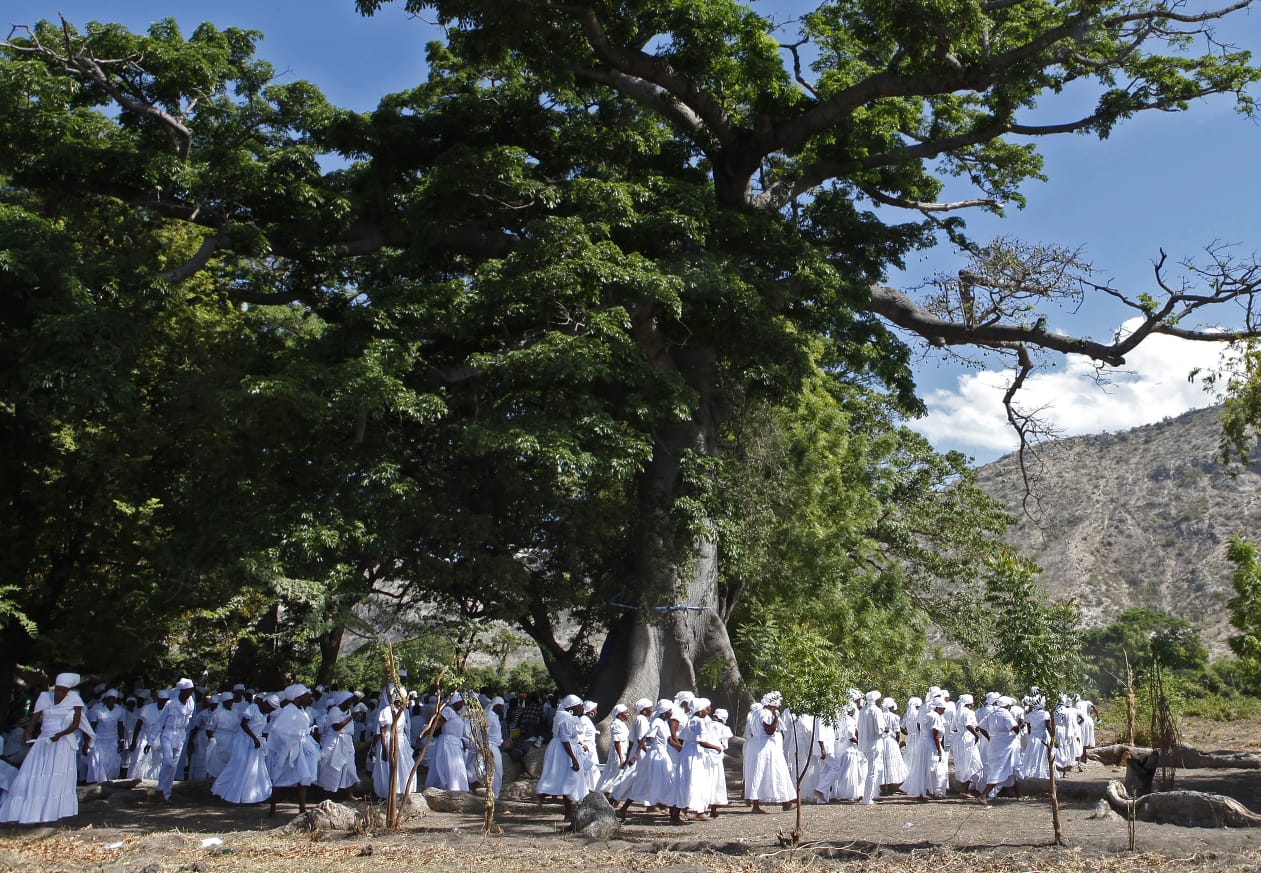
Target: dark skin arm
72 727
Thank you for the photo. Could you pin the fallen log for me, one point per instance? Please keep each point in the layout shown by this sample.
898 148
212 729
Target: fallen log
1191 809
1183 757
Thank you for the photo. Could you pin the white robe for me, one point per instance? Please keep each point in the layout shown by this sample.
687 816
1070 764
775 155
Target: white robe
293 756
559 777
449 768
337 751
245 778
406 759
44 789
105 760
769 778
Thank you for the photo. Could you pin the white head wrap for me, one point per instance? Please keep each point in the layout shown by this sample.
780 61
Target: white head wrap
853 694
67 680
184 684
113 692
497 701
456 697
1005 701
873 696
589 706
701 703
618 710
684 696
663 706
965 699
912 702
990 697
296 690
720 715
772 698
888 704
643 703
569 701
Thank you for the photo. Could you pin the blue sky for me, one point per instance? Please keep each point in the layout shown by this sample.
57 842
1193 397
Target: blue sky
1174 181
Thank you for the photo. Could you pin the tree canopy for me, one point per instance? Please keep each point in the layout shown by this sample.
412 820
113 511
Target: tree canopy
522 340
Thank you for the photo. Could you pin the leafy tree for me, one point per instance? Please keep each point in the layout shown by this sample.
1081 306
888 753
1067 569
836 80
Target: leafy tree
1141 634
1245 611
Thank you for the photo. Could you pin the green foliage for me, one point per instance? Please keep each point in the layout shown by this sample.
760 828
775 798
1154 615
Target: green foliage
1245 612
1142 635
1040 642
799 662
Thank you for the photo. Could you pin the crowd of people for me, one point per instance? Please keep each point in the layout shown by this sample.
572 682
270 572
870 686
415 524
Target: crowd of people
666 755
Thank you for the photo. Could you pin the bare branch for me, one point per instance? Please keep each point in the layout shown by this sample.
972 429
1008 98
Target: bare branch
887 200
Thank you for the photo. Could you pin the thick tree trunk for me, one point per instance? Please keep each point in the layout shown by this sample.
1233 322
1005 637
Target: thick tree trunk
330 645
676 628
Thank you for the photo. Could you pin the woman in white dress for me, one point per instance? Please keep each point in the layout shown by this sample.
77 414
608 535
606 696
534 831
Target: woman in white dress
1035 763
654 774
337 747
448 768
635 752
614 770
293 755
851 771
1003 767
564 771
895 772
910 732
245 778
1067 735
969 769
699 760
44 789
391 742
146 758
587 733
105 760
769 780
722 736
931 765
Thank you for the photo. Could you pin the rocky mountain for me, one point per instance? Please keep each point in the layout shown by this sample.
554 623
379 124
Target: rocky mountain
1139 518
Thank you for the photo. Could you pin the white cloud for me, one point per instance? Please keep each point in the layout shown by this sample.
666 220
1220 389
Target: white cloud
1151 386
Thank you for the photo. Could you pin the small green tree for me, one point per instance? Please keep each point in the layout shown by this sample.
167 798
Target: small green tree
1245 611
801 663
1041 641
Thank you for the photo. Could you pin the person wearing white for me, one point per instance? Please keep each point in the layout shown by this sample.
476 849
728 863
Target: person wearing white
1036 764
614 770
636 750
587 733
700 761
245 778
564 774
221 731
910 729
770 780
145 752
44 788
293 755
337 770
198 744
448 768
392 744
494 740
890 753
655 775
828 762
722 736
1067 734
172 731
1086 713
969 769
871 729
1003 768
105 757
851 762
931 766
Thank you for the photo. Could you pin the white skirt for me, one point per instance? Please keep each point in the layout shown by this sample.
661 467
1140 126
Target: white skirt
44 790
245 778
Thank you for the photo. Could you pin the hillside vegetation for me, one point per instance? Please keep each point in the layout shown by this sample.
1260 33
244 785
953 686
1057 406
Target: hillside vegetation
1138 518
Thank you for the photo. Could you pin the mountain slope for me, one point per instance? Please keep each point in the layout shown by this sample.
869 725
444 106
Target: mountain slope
1139 518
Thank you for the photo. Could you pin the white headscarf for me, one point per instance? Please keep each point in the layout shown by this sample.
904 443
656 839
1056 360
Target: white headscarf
67 680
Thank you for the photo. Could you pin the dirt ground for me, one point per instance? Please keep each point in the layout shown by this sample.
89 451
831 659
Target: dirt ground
896 834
